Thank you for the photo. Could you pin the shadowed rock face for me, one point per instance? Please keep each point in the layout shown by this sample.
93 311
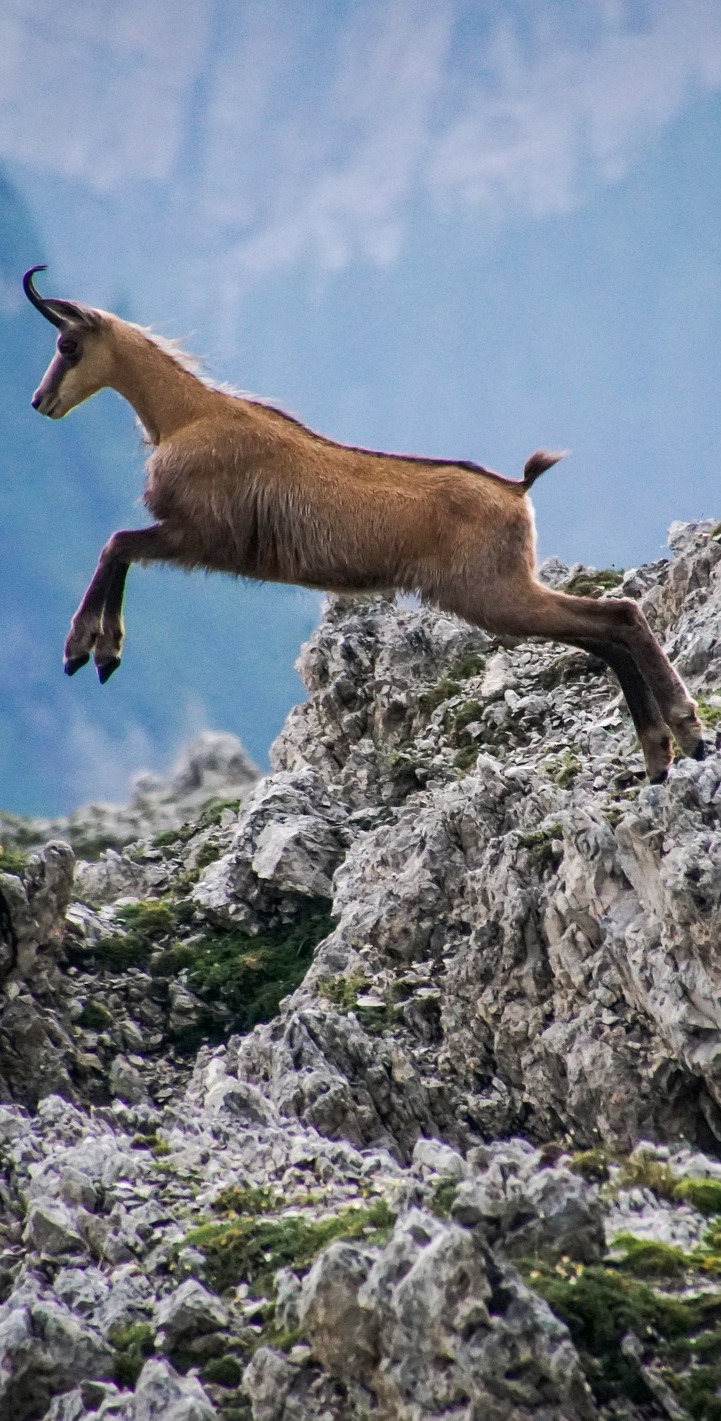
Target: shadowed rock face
393 1089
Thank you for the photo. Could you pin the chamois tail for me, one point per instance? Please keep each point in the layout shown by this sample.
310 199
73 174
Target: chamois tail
537 465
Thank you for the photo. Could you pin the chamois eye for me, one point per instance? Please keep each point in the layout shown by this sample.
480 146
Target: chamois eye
67 346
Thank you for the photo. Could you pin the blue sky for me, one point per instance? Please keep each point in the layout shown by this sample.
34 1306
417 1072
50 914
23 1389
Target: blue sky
464 228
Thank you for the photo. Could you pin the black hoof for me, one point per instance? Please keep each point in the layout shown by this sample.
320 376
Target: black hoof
74 663
660 779
700 751
106 669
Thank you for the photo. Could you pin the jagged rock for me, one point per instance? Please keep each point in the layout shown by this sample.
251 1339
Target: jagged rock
35 1046
502 1063
126 1081
524 1211
433 1323
289 842
44 1349
50 1231
189 1310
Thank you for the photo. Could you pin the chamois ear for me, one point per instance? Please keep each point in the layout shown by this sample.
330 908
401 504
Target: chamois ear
71 313
59 313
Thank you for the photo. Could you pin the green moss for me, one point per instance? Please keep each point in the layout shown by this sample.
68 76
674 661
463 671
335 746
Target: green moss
600 1306
444 1197
703 1194
465 714
343 992
206 855
281 1338
212 816
133 1345
444 690
94 1016
540 844
222 1371
250 1200
146 924
563 769
12 860
591 1165
708 714
465 759
239 979
116 953
449 686
403 765
644 1171
246 977
470 665
153 919
594 583
171 838
646 1258
250 1249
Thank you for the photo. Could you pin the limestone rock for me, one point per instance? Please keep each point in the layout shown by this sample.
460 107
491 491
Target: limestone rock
492 1073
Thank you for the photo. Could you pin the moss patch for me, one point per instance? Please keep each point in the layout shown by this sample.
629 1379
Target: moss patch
343 994
241 979
222 1371
679 1337
133 1345
94 1016
145 925
703 1194
12 860
451 685
250 1248
591 1165
708 714
541 845
444 1197
594 582
563 769
644 1171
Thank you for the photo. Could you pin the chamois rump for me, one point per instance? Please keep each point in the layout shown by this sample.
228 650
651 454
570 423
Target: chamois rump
237 486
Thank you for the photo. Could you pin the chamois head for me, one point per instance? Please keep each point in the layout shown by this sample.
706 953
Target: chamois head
82 364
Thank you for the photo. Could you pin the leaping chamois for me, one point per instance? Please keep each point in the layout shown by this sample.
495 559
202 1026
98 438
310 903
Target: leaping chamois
237 486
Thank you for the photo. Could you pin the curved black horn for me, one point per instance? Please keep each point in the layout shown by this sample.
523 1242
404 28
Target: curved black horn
40 305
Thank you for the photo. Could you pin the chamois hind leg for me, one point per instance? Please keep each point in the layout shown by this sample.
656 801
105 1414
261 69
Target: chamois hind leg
88 633
641 702
630 631
658 700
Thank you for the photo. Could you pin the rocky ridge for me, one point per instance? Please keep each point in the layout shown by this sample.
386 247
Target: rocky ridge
393 1091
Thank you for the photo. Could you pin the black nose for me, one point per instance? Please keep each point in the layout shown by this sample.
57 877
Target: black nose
35 402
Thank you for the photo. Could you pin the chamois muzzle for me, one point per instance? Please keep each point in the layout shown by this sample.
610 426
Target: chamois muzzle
44 307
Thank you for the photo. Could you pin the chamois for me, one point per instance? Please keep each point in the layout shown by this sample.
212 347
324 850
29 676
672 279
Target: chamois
237 486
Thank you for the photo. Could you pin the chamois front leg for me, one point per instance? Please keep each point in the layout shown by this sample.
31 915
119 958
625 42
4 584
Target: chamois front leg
97 627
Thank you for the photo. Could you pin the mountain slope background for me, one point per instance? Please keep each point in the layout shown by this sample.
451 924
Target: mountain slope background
456 229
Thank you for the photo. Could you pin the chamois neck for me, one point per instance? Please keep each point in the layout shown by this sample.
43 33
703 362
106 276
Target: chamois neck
164 395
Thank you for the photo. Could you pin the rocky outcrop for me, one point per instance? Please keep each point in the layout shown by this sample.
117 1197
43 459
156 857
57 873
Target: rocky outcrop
213 767
393 1090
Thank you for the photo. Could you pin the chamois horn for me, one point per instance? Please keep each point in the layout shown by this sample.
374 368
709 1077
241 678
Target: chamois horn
44 307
